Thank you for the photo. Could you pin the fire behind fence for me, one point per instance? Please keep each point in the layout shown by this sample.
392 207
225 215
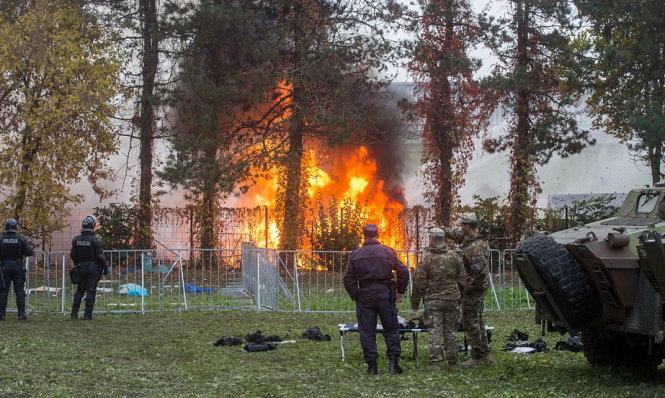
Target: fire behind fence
243 278
176 227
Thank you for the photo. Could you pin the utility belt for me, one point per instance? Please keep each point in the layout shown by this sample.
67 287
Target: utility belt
5 263
84 264
366 284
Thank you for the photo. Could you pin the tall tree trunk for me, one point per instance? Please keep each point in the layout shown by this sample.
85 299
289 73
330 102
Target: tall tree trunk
207 215
292 217
30 149
148 10
656 148
446 139
522 166
445 195
655 157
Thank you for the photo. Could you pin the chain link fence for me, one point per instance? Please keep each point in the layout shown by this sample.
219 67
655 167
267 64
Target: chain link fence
245 277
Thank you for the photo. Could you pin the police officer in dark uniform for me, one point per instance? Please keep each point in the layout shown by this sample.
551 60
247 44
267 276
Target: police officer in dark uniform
13 246
88 256
369 282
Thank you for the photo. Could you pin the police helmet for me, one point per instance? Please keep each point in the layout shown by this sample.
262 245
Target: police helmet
437 233
11 225
88 224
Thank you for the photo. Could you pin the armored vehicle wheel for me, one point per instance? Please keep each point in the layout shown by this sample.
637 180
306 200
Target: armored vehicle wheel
567 280
607 348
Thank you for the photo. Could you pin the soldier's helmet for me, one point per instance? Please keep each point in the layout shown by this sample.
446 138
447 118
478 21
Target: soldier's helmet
11 225
469 220
88 224
437 234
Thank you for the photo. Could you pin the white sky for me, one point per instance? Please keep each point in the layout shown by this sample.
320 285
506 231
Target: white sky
606 167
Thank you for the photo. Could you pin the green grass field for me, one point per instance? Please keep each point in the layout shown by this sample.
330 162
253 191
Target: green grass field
171 355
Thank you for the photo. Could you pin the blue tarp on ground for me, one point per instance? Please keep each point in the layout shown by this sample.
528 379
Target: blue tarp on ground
191 288
132 289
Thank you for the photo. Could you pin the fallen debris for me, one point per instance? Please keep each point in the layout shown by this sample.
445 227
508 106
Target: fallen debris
314 333
259 337
539 345
574 344
516 335
258 347
518 342
228 341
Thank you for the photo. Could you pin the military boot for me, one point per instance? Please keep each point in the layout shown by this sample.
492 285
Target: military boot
371 368
487 359
74 315
472 362
393 366
22 317
452 365
435 366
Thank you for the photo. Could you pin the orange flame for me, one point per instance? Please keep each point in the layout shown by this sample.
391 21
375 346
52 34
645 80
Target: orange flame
352 174
352 177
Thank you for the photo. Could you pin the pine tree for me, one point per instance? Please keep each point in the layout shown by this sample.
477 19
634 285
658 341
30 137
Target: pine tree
537 76
628 74
336 50
222 115
139 26
452 106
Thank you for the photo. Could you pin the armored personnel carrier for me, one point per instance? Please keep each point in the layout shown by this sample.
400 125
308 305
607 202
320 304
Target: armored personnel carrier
605 280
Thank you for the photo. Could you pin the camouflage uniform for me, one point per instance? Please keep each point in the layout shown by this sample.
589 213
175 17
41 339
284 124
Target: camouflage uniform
436 282
475 255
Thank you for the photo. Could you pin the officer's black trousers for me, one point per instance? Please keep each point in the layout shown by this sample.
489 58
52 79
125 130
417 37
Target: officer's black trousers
13 274
89 277
366 313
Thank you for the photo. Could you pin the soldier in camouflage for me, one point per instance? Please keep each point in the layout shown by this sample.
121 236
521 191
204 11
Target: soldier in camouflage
475 255
437 282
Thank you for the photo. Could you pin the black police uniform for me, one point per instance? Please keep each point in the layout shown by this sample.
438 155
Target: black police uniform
88 255
367 280
13 247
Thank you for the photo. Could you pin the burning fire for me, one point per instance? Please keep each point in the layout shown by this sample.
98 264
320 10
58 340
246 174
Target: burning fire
353 176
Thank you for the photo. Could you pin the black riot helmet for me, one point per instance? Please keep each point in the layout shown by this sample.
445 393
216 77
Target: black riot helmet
11 225
88 224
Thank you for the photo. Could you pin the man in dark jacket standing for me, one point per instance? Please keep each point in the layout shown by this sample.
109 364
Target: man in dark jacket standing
13 247
88 255
368 280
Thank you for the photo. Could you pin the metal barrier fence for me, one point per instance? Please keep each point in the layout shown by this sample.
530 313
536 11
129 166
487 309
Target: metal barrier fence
247 277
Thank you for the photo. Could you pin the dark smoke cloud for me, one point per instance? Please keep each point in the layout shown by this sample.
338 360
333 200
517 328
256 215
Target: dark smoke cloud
385 136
